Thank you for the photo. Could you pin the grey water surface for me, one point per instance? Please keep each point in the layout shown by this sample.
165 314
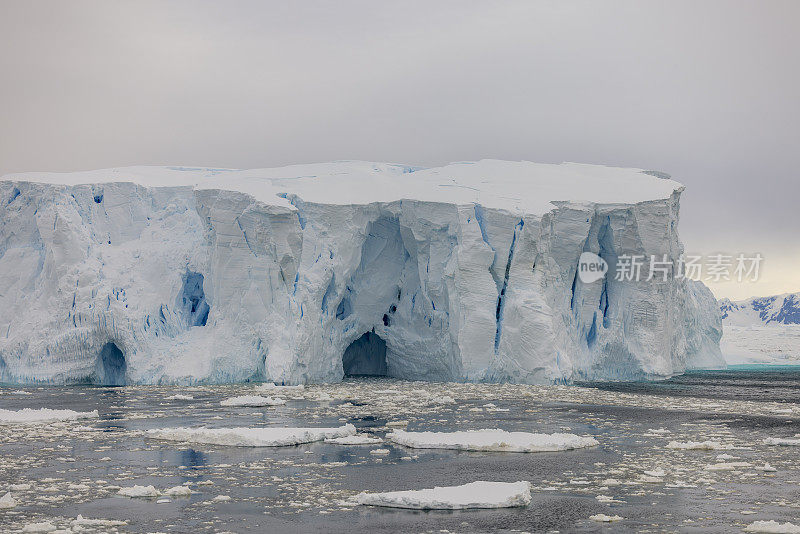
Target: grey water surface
76 467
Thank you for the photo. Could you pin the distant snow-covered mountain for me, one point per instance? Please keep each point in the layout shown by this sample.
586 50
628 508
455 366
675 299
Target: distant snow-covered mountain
761 330
783 309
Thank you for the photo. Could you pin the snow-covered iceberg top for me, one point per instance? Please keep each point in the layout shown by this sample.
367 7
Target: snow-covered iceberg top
491 440
473 495
43 415
250 437
520 186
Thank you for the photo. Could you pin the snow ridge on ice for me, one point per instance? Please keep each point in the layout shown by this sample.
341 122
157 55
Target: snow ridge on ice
478 494
491 440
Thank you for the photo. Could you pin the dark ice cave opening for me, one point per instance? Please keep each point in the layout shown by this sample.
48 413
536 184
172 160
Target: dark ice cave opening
111 366
192 300
366 356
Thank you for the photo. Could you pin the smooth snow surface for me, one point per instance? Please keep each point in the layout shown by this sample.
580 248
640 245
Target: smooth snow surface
252 400
466 272
491 440
251 437
43 415
511 185
473 495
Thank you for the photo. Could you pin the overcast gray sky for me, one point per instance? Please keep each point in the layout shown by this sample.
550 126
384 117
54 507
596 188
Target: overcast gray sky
706 91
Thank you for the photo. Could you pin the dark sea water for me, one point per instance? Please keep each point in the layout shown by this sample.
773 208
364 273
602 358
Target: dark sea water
778 383
76 467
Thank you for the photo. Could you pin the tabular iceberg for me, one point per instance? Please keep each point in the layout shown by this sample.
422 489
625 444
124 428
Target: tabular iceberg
310 272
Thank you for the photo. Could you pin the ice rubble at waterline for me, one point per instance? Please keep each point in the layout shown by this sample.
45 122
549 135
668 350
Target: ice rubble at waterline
465 272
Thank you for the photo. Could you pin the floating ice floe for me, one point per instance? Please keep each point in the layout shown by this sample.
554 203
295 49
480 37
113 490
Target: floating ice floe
94 523
773 527
357 439
491 440
473 495
607 499
252 401
139 491
603 518
727 466
698 445
178 491
44 526
251 437
782 441
179 397
681 484
43 415
269 386
7 501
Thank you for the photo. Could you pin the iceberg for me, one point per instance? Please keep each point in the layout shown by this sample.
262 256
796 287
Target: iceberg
309 273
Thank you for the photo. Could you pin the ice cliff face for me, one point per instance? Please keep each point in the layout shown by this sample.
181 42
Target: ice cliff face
304 273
